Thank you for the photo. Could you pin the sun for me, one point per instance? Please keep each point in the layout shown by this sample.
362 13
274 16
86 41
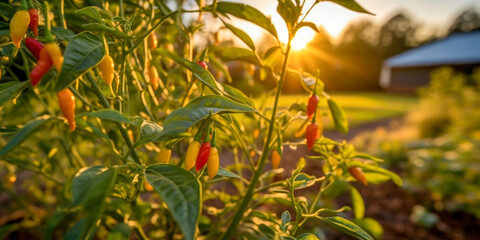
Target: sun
302 38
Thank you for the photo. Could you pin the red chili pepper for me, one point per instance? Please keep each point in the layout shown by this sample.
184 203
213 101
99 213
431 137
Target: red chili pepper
44 64
202 64
33 20
34 47
312 105
358 174
312 134
203 154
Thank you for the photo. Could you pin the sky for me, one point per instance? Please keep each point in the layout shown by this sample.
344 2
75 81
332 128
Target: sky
433 14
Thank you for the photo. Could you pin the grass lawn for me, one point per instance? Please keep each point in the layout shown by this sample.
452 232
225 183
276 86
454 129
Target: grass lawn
360 107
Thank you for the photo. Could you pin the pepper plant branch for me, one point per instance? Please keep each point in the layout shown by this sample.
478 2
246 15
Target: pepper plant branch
105 104
266 151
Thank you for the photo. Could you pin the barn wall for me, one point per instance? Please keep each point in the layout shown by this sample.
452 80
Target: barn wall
409 79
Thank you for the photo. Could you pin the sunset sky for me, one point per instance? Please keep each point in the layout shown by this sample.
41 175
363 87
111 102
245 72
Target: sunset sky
434 14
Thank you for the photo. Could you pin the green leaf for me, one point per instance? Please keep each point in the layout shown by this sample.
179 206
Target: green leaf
238 95
335 187
338 115
289 12
357 203
149 129
82 53
347 227
90 12
75 232
351 4
63 34
109 114
220 67
182 119
240 54
120 232
101 27
200 73
181 191
242 35
10 90
300 166
307 24
307 236
303 180
244 12
7 10
367 156
225 173
90 188
268 232
21 135
286 218
371 170
371 226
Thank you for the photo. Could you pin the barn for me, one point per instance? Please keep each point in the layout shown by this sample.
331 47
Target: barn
407 71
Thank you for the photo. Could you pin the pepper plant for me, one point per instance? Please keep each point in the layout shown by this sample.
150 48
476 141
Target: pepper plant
146 117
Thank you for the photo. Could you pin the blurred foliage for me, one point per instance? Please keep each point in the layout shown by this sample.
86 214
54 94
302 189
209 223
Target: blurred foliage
445 158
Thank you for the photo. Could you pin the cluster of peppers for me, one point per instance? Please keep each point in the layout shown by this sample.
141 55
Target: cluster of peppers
151 69
313 133
46 55
203 152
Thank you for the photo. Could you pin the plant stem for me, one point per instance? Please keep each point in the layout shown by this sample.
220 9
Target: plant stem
105 104
249 194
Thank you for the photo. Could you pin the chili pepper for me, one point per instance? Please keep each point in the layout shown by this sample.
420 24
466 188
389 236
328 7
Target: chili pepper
164 155
152 41
147 186
312 134
51 46
192 153
312 105
276 158
33 20
202 64
213 159
203 154
66 99
358 174
153 77
107 69
34 47
19 25
43 65
55 54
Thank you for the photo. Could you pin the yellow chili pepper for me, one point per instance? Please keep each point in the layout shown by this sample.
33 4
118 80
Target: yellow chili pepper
164 155
107 69
66 99
192 153
152 41
19 26
147 186
153 77
213 163
55 54
275 159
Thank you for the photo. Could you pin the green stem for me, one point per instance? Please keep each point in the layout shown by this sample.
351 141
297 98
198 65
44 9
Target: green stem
62 14
249 194
105 104
140 39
